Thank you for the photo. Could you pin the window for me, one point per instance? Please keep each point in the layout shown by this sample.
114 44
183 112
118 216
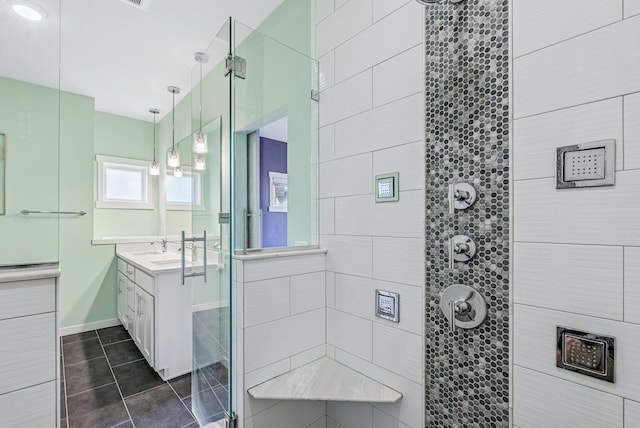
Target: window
124 183
185 193
278 192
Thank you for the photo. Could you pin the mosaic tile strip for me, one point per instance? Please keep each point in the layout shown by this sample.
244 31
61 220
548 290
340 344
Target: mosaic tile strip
467 140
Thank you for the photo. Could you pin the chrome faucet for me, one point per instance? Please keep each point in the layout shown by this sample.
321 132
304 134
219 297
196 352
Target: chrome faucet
194 251
164 243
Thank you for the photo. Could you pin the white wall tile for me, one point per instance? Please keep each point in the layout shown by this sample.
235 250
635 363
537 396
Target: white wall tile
331 289
266 301
346 177
307 292
326 143
340 3
348 254
251 405
327 75
287 414
327 216
255 270
356 295
398 351
320 423
409 408
387 126
349 333
324 8
354 215
536 138
631 414
352 415
408 160
534 27
588 68
399 260
388 37
275 340
346 99
382 8
331 351
604 215
631 7
632 131
305 357
631 284
399 76
404 218
382 420
535 347
340 26
585 279
541 400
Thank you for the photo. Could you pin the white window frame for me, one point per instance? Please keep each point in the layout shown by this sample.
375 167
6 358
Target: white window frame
180 206
148 185
282 178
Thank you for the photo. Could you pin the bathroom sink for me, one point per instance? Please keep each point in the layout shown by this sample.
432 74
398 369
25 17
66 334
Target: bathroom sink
146 253
165 261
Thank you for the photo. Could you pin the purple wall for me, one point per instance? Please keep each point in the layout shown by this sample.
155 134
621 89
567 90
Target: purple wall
273 157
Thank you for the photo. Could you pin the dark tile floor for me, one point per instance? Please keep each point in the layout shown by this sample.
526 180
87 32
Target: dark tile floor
106 382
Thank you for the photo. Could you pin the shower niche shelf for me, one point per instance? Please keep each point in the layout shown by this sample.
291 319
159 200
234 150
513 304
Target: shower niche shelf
325 380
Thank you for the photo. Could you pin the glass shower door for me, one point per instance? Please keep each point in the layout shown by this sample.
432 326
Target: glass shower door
211 386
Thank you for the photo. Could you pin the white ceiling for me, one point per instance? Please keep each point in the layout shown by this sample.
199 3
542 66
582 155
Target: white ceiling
122 56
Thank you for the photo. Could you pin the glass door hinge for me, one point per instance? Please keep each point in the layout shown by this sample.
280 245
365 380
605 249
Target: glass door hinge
237 65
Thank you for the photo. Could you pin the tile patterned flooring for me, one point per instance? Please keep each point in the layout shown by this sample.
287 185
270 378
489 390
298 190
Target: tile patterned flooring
107 383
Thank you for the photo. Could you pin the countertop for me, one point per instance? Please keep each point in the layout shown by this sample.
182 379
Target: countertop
29 272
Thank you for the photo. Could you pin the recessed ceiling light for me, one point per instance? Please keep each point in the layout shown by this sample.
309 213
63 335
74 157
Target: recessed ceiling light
27 12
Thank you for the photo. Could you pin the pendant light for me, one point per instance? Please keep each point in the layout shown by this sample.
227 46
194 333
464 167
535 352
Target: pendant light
177 171
154 169
200 163
200 144
173 156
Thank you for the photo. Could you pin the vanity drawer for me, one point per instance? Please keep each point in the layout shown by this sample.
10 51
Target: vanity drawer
144 281
30 407
28 351
31 297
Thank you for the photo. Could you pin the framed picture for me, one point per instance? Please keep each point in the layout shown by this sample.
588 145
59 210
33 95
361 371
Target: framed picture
278 189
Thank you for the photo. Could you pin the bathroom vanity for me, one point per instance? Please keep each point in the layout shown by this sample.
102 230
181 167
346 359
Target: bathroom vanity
155 308
30 349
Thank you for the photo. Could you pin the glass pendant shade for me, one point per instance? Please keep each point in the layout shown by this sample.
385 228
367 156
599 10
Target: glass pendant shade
173 158
200 163
154 169
177 171
200 144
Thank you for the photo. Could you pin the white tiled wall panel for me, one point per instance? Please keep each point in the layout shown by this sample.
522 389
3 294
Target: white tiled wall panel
382 8
30 407
349 333
540 23
537 137
346 99
382 420
585 279
404 218
307 292
535 347
348 254
632 131
399 260
603 215
631 7
270 342
390 85
588 68
285 266
298 414
545 401
354 215
320 423
305 357
347 177
356 295
631 414
340 26
398 351
371 130
327 64
386 38
632 284
323 9
408 160
330 278
327 214
352 415
266 300
326 143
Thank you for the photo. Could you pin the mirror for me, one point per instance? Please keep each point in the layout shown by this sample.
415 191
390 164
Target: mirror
3 156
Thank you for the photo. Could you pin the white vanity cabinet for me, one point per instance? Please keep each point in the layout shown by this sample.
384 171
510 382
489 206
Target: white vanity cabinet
156 310
30 350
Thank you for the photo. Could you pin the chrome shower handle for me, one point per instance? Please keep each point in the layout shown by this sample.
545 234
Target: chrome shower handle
461 196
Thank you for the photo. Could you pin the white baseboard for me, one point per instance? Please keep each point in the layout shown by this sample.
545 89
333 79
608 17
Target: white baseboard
212 305
65 331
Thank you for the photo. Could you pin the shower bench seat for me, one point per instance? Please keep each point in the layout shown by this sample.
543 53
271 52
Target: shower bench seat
325 380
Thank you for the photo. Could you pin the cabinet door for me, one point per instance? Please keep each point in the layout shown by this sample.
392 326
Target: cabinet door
131 294
144 329
121 290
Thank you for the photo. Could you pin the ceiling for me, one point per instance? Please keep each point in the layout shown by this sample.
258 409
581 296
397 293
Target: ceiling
120 55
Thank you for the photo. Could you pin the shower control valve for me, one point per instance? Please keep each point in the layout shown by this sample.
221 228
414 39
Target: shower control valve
461 249
463 307
461 196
